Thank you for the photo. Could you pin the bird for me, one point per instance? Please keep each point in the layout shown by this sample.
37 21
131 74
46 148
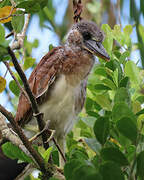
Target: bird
59 80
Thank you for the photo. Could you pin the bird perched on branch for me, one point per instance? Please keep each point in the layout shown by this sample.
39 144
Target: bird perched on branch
59 80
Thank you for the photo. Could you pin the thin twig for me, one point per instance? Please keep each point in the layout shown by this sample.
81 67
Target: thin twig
5 73
17 82
10 34
26 25
21 37
59 149
23 138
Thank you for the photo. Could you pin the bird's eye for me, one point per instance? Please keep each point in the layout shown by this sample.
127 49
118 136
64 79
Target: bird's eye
86 35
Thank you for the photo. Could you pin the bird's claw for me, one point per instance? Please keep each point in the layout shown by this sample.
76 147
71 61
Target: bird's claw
46 128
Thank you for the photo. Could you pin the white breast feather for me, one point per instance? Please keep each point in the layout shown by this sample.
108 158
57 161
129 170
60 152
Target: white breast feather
59 109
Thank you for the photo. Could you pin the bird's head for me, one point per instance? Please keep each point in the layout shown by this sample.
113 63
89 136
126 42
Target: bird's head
87 35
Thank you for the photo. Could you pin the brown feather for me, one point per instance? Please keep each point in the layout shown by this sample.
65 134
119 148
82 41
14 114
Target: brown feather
40 80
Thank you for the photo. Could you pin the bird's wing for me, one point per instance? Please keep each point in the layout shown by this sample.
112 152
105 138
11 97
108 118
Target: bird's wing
40 80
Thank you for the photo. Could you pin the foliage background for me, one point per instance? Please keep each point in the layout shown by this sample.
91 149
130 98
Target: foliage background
107 142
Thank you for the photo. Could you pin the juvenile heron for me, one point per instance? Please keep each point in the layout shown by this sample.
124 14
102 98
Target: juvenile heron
59 80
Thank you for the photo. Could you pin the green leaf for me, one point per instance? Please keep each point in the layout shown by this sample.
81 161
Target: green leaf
89 104
3 43
127 128
89 120
124 82
13 152
124 56
86 172
35 43
2 34
140 112
55 157
14 87
140 99
78 153
114 154
131 149
132 71
128 29
29 62
50 11
136 106
101 129
4 3
108 41
120 110
115 77
3 52
17 23
122 95
51 47
93 144
111 171
70 167
140 164
117 74
43 3
117 54
30 6
118 35
103 101
101 87
47 153
109 83
100 71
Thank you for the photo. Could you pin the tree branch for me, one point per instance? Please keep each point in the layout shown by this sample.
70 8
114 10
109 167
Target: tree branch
11 73
27 170
24 139
10 135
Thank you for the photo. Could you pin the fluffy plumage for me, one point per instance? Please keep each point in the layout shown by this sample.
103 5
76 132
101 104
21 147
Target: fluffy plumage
59 80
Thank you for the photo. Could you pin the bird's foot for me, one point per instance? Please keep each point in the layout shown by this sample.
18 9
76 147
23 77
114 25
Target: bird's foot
51 135
46 128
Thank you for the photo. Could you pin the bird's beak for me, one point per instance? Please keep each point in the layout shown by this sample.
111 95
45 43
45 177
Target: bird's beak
97 49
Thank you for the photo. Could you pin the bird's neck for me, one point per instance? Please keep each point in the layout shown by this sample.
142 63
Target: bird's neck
78 64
